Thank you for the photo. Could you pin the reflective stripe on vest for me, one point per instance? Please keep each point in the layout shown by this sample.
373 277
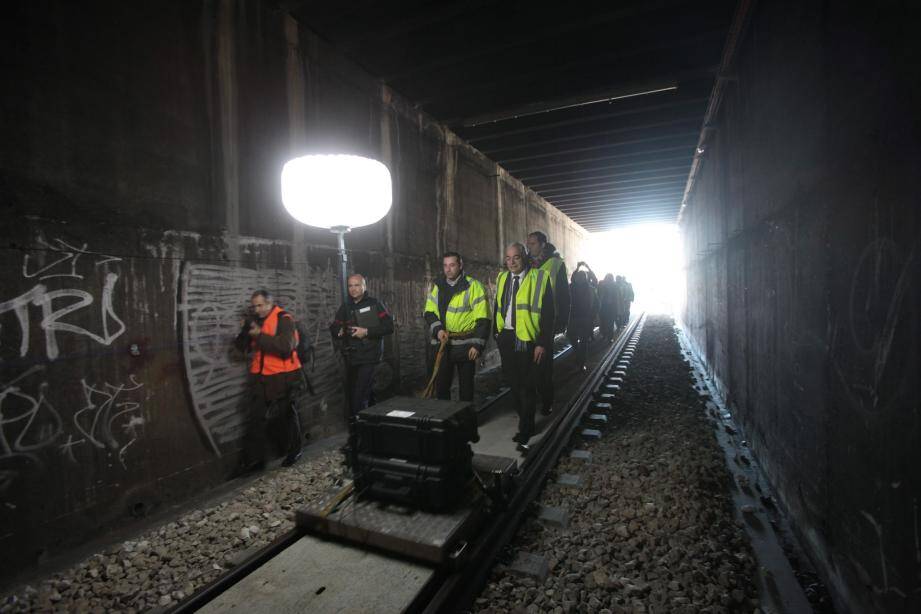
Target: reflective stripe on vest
462 312
552 267
266 363
528 303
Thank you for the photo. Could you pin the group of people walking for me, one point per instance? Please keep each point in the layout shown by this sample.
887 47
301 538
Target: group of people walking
535 300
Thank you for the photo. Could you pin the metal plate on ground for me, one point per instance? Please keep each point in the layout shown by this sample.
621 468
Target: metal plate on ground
489 463
314 575
420 535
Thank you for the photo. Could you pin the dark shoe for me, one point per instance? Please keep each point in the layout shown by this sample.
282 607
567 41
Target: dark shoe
523 448
291 459
546 411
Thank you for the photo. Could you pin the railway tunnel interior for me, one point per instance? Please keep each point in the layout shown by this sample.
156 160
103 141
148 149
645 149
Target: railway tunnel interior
139 181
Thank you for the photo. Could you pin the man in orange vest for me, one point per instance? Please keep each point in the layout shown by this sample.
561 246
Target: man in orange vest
276 378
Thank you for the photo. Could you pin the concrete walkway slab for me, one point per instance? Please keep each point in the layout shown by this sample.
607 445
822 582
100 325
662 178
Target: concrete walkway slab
554 516
321 577
530 565
570 479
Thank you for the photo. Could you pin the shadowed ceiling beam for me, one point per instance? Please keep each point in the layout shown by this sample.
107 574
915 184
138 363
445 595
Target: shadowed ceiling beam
598 198
606 177
673 213
582 100
491 152
584 120
608 181
576 204
619 204
522 171
616 187
563 152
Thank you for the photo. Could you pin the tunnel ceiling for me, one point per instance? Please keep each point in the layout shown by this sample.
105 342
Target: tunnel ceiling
596 109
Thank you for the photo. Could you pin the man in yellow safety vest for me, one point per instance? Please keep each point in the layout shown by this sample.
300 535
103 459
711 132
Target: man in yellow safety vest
456 312
524 317
545 257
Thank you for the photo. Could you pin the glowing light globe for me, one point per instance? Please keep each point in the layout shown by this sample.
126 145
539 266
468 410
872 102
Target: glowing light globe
337 190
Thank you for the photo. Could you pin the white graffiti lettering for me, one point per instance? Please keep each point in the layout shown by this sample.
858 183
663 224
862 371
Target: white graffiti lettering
213 299
112 325
69 255
108 419
30 418
101 409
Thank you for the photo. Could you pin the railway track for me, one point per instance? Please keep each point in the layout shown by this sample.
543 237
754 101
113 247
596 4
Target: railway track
458 589
453 586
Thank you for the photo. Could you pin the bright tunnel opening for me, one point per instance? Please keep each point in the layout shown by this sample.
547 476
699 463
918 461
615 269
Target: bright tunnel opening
650 256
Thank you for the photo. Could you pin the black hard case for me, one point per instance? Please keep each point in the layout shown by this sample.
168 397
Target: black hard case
435 432
432 487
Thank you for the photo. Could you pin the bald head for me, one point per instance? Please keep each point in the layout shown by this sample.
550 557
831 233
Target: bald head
357 286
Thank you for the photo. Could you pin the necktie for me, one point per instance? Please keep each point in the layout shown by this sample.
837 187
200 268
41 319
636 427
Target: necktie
512 298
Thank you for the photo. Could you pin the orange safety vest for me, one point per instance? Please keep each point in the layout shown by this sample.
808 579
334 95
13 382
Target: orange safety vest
265 363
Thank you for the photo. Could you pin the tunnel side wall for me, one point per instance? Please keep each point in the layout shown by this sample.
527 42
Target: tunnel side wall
803 252
139 182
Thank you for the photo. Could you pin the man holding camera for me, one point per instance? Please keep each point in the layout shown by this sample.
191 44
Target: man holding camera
275 379
361 324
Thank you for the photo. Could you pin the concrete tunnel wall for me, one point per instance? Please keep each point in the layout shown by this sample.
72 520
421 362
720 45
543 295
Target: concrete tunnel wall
141 152
803 260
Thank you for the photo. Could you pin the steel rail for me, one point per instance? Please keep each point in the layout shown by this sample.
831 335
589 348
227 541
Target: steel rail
460 588
224 582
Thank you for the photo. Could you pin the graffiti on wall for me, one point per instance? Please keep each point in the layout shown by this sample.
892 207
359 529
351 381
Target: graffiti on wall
64 258
213 303
43 410
876 305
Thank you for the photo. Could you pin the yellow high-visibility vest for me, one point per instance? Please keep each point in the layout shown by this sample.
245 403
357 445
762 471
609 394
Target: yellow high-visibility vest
552 267
528 303
464 309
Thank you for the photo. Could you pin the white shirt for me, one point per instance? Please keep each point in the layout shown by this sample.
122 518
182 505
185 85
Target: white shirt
511 301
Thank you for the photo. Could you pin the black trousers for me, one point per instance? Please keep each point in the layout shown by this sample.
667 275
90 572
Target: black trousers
580 348
606 320
544 377
520 373
273 418
452 360
360 387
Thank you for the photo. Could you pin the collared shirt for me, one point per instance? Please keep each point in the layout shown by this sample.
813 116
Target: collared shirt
511 299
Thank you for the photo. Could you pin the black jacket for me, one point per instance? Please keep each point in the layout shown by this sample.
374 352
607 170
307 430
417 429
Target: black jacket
547 316
369 313
584 310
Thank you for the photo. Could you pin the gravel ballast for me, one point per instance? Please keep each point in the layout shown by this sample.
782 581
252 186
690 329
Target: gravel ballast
167 564
652 528
649 527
